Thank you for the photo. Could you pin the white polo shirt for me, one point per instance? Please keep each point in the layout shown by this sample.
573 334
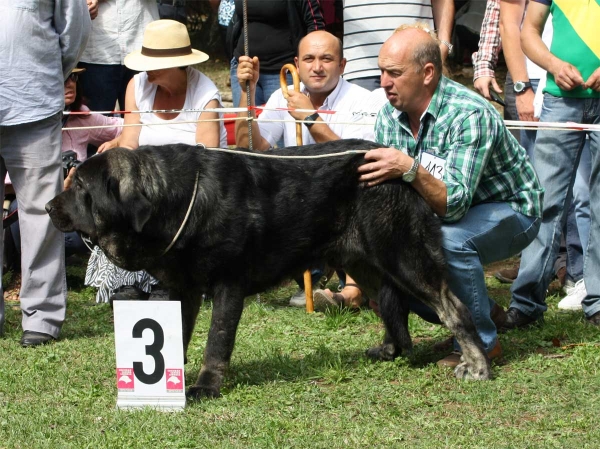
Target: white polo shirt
346 98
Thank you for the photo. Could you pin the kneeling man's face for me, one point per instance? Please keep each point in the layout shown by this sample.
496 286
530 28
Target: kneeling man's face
399 74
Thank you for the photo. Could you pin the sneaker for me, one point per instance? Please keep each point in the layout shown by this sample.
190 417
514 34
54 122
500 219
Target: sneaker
573 300
298 299
568 287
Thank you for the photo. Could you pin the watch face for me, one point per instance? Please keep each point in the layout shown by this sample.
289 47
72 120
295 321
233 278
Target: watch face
409 176
519 86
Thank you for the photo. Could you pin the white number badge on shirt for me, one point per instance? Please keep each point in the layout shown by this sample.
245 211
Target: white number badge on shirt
433 164
149 350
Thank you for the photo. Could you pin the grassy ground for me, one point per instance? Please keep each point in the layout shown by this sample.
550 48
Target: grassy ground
300 380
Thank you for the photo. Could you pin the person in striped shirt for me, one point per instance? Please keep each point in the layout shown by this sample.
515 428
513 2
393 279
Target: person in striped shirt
452 146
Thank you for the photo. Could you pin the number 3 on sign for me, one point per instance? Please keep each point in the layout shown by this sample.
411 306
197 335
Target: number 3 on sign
149 350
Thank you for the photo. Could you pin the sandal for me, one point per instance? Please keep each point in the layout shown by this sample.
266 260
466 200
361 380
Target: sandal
322 301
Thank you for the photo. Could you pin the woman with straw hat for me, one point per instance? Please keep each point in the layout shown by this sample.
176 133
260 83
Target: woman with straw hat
166 82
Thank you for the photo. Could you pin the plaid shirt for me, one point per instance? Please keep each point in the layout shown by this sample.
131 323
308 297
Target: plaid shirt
486 58
484 162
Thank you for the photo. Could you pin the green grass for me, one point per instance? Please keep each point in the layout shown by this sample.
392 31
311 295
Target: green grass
299 380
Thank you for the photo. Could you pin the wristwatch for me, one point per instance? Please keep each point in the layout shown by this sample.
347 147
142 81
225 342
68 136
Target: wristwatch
311 119
521 86
449 45
411 174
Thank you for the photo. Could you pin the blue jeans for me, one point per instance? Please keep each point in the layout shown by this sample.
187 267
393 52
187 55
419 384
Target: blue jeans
104 85
557 155
527 136
268 82
488 233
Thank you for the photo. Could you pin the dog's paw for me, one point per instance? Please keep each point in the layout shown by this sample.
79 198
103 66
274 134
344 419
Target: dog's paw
197 392
468 372
383 353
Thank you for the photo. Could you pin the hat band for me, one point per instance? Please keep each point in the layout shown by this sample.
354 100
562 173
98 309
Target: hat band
166 52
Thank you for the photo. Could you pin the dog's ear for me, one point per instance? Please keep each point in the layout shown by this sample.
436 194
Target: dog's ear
141 209
135 204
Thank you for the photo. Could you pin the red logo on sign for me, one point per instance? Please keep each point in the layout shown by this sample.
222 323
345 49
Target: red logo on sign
174 378
125 379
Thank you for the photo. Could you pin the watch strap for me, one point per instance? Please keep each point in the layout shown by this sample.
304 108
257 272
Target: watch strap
311 119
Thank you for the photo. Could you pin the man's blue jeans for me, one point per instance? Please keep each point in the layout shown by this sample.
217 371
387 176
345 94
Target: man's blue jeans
488 233
557 155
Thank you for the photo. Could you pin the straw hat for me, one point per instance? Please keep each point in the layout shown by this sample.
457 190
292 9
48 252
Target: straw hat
166 45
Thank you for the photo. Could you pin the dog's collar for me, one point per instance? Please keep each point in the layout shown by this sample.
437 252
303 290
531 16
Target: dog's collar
187 215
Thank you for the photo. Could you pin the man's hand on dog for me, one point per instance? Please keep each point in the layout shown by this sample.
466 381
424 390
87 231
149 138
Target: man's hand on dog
383 164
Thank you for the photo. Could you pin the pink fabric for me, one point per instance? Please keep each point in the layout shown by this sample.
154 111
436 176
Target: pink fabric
78 140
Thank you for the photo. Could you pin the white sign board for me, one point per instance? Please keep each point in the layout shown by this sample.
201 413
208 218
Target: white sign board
149 350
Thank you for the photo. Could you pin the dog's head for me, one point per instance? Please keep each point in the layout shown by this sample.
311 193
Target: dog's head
107 202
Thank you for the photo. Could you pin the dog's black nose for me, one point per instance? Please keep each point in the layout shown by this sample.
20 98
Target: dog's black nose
48 207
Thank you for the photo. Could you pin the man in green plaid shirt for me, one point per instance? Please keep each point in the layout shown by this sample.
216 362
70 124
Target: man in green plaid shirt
453 147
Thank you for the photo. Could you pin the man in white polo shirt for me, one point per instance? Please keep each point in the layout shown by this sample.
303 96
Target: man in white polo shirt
320 64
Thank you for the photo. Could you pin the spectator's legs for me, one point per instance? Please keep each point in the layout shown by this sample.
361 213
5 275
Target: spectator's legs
236 90
31 153
591 267
104 84
556 156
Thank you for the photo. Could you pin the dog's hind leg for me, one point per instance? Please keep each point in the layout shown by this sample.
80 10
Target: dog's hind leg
394 310
475 363
228 304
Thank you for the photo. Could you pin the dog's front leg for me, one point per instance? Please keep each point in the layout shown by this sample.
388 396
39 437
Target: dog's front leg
190 306
228 304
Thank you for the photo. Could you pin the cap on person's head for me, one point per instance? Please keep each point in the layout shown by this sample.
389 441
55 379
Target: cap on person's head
166 45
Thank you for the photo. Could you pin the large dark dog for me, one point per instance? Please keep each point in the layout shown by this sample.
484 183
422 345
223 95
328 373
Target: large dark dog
256 221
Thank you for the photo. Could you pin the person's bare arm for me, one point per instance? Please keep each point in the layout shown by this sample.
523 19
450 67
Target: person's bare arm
389 163
208 133
130 136
443 19
566 76
248 70
511 17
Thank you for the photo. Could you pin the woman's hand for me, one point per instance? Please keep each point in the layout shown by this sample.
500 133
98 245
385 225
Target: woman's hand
108 145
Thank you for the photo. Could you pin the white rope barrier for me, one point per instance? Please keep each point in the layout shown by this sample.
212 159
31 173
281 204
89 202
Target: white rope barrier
510 124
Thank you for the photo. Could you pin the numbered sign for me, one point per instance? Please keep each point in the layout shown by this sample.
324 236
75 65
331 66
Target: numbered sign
149 350
433 164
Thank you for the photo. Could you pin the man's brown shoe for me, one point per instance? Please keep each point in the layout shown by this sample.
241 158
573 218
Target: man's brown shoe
507 275
452 360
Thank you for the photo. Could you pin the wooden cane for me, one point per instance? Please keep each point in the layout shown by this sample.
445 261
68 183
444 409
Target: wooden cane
284 89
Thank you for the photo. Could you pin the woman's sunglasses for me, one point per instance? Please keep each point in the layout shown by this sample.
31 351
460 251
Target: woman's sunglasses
73 77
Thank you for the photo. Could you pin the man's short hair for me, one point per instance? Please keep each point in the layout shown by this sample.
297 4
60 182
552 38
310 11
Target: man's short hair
428 51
